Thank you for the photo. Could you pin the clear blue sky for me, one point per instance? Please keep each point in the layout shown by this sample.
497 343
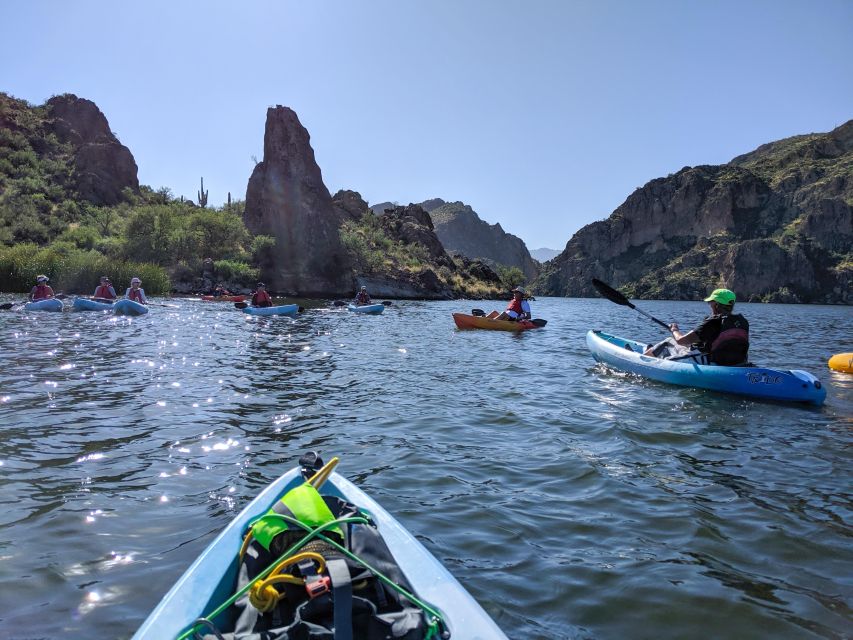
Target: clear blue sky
543 116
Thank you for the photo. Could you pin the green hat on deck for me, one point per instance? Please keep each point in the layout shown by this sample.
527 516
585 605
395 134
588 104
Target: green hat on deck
722 296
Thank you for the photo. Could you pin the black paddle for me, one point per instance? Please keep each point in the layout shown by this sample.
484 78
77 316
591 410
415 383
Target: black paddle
479 313
387 303
614 296
339 303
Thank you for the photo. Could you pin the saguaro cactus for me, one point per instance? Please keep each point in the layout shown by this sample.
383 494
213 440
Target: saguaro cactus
229 201
202 195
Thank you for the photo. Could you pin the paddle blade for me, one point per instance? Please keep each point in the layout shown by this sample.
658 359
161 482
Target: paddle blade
478 313
339 303
240 305
610 293
387 303
7 305
539 322
300 309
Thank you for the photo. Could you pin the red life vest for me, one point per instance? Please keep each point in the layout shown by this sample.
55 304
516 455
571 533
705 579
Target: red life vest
135 294
515 305
42 292
261 299
103 291
362 298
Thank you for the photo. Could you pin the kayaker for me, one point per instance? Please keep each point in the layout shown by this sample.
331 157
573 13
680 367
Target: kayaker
722 338
518 308
135 292
220 291
42 290
260 298
362 297
105 290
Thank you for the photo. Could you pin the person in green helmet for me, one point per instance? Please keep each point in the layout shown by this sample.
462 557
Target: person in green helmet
722 338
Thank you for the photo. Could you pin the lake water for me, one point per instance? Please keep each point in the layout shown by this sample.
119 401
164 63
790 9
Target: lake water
571 501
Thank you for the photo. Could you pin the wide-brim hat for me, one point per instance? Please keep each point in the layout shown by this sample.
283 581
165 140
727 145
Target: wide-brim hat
519 290
42 278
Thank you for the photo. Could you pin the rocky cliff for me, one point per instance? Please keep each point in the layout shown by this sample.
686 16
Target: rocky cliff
462 231
775 224
286 198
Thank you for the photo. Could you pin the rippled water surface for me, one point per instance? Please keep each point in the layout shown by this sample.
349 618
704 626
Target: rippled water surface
570 500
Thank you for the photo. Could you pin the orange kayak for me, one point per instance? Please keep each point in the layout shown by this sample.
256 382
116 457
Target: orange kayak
223 298
464 321
842 362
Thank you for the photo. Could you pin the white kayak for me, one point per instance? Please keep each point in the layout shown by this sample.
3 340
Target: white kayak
48 304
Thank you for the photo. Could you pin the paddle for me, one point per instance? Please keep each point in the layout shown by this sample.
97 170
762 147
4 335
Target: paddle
614 296
8 305
479 313
539 322
339 303
387 303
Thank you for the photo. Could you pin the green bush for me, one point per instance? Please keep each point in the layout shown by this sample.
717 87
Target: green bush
235 272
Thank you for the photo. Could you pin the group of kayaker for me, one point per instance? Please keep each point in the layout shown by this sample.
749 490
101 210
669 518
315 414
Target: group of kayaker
103 292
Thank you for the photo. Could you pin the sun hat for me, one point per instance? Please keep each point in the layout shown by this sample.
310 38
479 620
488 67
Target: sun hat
519 290
722 296
42 278
261 284
363 288
132 280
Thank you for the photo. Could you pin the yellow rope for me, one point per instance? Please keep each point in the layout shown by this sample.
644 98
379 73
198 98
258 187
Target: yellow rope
264 596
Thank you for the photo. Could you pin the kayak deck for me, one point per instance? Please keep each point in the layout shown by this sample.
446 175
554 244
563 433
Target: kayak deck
374 309
281 310
758 382
211 579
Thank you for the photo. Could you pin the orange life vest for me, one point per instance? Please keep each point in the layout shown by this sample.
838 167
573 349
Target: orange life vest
261 297
103 291
41 292
135 294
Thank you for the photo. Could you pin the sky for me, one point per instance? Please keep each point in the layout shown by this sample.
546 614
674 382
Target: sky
542 115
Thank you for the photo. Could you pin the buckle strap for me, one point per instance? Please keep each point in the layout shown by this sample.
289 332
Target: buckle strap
341 597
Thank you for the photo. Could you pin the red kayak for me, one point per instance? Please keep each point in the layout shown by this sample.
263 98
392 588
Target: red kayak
223 298
464 321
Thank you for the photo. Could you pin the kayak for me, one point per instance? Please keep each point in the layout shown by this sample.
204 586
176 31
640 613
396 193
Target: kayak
367 308
84 304
48 304
758 382
223 298
282 310
126 307
842 362
464 321
212 577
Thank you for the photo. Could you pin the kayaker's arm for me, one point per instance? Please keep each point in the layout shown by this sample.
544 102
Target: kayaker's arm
684 339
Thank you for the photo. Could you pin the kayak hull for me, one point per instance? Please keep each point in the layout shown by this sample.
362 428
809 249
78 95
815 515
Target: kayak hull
224 298
84 304
465 321
210 580
374 309
842 362
756 382
281 310
50 304
127 307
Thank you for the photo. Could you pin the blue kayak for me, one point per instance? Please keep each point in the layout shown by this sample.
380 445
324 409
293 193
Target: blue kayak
281 310
757 382
211 579
367 308
126 307
49 304
85 304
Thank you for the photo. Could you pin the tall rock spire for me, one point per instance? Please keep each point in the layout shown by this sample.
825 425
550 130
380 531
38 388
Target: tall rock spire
286 198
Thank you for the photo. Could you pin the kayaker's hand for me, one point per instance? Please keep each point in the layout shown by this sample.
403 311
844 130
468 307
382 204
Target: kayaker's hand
673 327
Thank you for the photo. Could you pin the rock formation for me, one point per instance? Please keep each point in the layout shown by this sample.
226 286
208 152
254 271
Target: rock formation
103 167
462 231
350 204
286 198
775 224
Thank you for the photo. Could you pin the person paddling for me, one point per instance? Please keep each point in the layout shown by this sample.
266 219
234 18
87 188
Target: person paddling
260 298
135 292
722 338
105 291
220 291
518 308
362 297
42 290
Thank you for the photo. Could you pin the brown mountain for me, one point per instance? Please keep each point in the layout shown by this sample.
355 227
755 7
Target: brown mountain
775 224
462 231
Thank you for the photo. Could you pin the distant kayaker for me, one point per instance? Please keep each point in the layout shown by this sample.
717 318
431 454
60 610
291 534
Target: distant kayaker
105 290
518 308
42 290
135 292
722 338
260 298
362 297
220 291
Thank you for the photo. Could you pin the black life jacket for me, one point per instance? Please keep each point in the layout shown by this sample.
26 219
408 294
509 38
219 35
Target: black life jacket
731 347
